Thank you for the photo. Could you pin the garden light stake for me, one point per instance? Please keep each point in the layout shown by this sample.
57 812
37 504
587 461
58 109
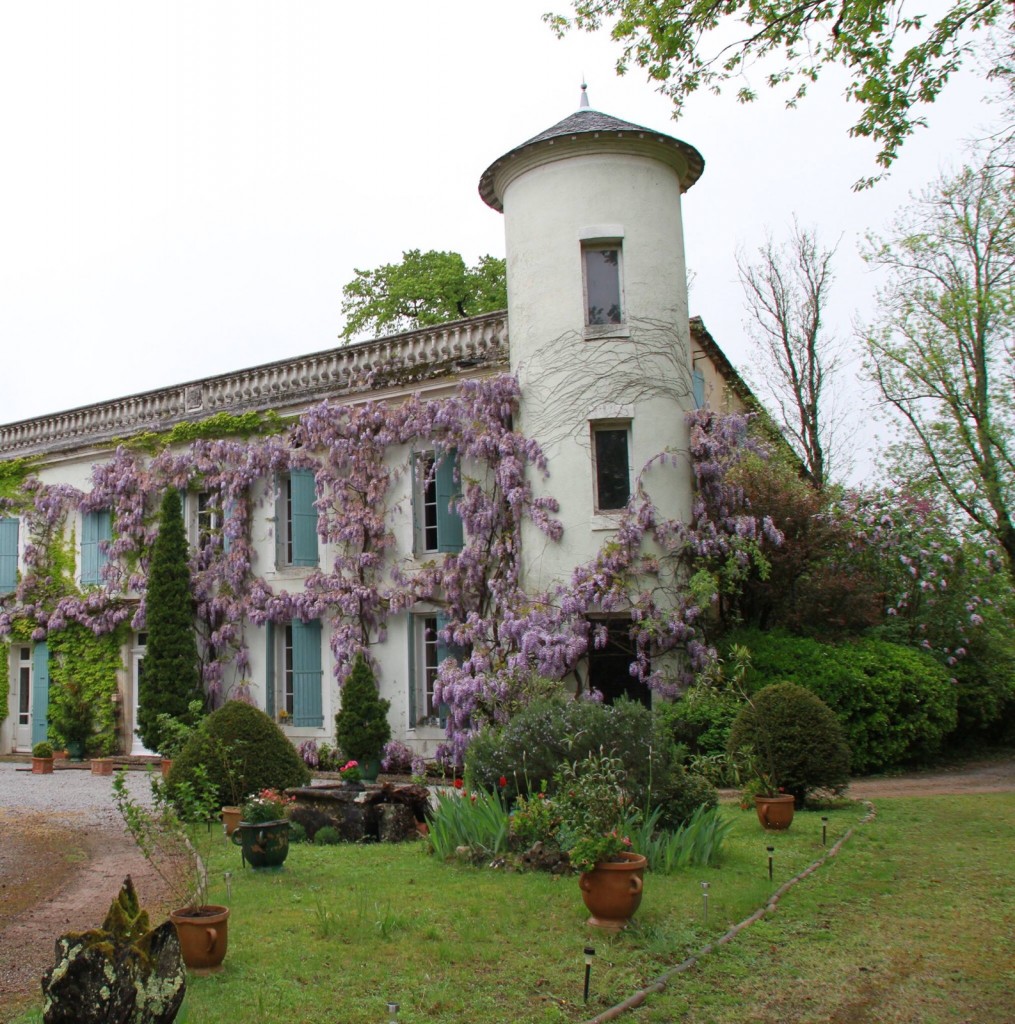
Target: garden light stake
589 954
393 1012
771 854
704 900
824 830
228 876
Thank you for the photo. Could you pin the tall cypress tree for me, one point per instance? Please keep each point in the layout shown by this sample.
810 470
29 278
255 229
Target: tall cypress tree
171 678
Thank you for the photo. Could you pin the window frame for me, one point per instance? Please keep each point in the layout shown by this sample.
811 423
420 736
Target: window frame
602 245
436 484
602 427
297 544
295 676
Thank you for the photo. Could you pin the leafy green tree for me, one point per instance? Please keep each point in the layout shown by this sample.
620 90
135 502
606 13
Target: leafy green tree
942 354
896 61
361 725
425 289
171 677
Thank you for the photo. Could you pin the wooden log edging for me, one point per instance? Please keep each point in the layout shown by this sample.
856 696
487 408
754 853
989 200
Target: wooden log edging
659 984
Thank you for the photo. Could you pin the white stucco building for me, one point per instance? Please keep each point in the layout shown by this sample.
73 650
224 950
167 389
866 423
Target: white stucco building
608 362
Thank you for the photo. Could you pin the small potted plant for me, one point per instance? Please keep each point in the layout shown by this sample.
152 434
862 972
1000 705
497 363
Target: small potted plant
284 718
263 831
162 834
361 725
42 759
174 732
595 813
792 742
351 774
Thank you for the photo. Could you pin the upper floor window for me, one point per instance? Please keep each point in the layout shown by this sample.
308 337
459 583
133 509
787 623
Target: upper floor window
209 518
601 263
96 533
612 465
296 519
438 526
8 555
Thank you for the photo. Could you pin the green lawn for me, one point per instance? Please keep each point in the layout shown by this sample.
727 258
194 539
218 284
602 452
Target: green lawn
913 921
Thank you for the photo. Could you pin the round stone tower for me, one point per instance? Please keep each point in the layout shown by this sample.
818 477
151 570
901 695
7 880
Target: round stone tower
597 319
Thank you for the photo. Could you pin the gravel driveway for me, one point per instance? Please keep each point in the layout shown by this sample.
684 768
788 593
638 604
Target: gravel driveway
63 856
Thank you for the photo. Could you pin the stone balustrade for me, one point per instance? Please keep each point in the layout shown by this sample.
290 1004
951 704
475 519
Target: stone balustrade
395 363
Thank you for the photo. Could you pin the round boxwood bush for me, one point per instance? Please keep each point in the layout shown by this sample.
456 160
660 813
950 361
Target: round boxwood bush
895 703
794 735
242 751
327 836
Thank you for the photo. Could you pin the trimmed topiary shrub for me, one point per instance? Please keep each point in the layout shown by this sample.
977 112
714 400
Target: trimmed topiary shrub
361 726
795 738
171 680
896 704
243 751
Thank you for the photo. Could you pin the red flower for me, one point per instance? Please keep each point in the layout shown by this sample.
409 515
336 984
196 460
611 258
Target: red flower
458 783
503 782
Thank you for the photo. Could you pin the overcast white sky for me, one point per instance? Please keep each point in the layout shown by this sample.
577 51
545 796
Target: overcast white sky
187 184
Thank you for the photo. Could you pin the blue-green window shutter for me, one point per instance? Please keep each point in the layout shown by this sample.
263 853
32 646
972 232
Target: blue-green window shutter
96 527
450 536
303 517
698 389
411 623
40 693
8 555
307 674
269 668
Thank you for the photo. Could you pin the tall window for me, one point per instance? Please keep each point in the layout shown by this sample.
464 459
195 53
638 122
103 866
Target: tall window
612 466
24 686
426 652
296 519
438 526
300 676
96 533
8 555
208 519
601 267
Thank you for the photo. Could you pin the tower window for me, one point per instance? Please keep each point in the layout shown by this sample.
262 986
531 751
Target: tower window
612 466
601 267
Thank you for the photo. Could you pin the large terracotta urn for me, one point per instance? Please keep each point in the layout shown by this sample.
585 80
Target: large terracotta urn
775 812
612 891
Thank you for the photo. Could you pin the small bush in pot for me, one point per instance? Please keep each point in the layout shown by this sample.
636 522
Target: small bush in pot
793 741
42 749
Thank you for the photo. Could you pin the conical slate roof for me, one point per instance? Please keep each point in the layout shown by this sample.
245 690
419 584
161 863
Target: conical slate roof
585 123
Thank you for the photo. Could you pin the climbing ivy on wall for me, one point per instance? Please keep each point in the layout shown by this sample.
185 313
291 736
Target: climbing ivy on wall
359 454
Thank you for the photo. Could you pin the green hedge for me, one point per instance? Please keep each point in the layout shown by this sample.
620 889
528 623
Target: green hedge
527 751
896 704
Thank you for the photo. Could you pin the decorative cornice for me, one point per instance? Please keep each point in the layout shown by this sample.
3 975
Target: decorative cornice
397 363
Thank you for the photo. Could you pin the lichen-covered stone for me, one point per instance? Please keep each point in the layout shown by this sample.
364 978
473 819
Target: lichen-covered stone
121 973
396 823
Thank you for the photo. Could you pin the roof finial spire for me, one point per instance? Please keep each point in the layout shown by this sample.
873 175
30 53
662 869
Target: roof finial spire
585 96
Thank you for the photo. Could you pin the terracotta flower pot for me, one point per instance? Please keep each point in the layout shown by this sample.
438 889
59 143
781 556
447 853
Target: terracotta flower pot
775 812
204 935
166 766
231 818
102 766
612 891
42 766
